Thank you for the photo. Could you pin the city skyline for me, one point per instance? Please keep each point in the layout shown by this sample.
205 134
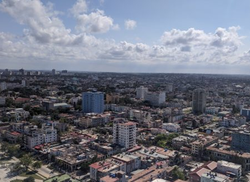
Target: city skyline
110 36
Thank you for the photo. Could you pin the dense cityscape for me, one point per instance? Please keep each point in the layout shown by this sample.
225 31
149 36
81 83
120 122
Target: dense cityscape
124 91
118 127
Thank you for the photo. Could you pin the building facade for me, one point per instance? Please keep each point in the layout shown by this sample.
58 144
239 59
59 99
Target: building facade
34 136
156 98
199 101
240 141
124 133
93 102
245 112
141 92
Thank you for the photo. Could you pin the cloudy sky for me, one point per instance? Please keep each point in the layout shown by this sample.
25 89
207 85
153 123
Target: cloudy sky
172 36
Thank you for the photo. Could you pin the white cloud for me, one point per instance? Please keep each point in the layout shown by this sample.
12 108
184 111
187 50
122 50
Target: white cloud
43 24
46 38
79 7
95 22
130 24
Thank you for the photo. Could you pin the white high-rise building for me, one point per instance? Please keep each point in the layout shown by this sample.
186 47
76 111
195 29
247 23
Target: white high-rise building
3 86
25 83
156 98
199 101
124 133
53 72
141 92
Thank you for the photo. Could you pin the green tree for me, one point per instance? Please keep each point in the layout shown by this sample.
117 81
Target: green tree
16 167
29 179
4 147
178 174
26 160
9 149
36 165
13 150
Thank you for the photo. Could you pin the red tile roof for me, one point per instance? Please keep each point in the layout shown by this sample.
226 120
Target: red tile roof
15 133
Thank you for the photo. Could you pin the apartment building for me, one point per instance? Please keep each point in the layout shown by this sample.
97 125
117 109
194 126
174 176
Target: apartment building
34 136
124 133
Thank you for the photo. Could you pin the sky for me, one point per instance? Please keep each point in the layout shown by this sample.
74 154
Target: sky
166 36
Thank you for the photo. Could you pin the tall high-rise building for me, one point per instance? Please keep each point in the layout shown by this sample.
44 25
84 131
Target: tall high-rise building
156 98
3 86
53 72
141 92
240 140
21 71
124 133
92 102
245 112
25 83
199 101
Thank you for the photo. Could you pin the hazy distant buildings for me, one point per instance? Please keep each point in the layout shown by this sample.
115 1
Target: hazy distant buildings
124 133
169 88
199 101
6 72
245 112
141 92
3 86
53 72
2 101
21 71
92 102
25 83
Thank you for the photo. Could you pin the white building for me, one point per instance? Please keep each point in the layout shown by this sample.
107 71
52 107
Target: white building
214 177
35 136
156 98
25 83
3 86
141 92
225 167
232 121
18 114
171 127
139 115
212 110
124 133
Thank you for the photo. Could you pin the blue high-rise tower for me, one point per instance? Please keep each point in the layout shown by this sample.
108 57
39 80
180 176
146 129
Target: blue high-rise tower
92 102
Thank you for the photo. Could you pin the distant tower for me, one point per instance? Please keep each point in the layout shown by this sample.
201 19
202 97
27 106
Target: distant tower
3 86
53 72
141 92
199 101
25 83
92 102
21 71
